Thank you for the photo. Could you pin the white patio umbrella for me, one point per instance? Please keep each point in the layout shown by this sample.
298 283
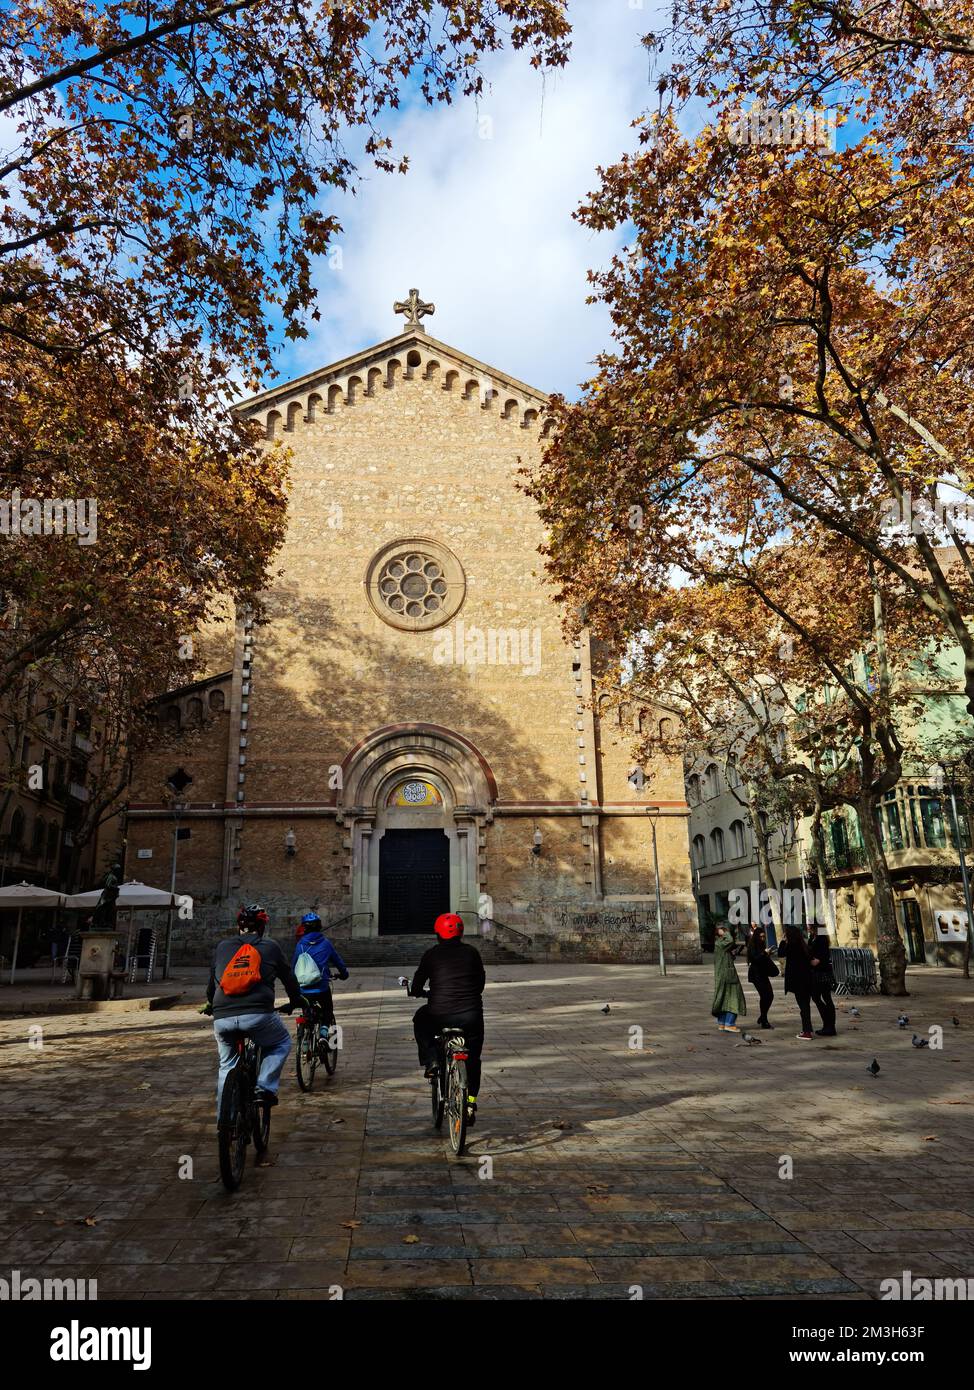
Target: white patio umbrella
131 894
21 895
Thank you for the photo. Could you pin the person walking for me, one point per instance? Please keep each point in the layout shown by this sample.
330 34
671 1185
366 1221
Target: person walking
798 976
761 970
729 1003
823 981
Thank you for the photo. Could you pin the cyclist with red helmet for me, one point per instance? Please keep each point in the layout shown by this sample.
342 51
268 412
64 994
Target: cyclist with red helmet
454 972
240 996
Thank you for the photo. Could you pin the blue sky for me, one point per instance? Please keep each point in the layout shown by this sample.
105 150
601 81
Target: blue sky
482 224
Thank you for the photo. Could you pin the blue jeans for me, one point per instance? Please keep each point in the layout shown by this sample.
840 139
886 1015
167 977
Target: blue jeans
270 1035
726 1018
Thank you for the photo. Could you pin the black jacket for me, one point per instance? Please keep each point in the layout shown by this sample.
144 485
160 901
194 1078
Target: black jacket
820 949
798 968
456 978
260 999
760 966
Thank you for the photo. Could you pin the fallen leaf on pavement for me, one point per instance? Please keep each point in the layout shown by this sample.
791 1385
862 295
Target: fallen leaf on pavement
351 1225
410 1240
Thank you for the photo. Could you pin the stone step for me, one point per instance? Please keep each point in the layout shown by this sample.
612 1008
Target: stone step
407 950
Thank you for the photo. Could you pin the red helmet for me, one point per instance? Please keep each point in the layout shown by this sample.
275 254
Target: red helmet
448 925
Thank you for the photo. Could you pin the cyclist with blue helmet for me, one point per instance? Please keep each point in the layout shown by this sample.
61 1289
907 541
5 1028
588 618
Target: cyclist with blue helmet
315 944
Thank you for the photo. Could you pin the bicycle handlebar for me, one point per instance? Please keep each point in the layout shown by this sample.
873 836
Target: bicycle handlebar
423 993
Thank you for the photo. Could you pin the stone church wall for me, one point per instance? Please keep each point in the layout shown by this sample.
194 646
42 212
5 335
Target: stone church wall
414 451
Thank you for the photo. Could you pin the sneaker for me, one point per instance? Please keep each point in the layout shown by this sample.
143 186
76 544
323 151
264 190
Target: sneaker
805 1037
731 1028
766 1025
825 1033
262 1097
471 1112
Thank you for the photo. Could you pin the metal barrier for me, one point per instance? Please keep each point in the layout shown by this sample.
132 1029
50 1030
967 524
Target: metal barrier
854 968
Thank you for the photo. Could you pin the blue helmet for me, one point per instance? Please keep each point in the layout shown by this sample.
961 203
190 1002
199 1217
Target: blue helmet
311 921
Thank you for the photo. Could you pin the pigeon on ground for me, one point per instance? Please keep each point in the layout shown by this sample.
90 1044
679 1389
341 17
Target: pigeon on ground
920 1042
604 1009
749 1040
854 1012
955 1021
873 1067
903 1020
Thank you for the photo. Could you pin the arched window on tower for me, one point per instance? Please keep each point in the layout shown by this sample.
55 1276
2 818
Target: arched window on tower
717 845
699 852
737 839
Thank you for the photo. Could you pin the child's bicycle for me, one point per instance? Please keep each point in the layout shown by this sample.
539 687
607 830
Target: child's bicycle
315 1041
448 1083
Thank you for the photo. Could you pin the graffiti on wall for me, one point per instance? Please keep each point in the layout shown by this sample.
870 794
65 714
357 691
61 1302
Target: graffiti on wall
635 919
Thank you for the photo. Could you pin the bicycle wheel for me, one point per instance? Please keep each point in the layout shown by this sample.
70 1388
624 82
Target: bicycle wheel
232 1136
330 1052
456 1095
437 1100
262 1127
306 1054
260 1115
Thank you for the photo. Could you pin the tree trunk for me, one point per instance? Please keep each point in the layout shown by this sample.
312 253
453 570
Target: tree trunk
889 943
764 863
818 860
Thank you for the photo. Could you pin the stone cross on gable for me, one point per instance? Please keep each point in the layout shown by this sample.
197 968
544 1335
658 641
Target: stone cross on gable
415 308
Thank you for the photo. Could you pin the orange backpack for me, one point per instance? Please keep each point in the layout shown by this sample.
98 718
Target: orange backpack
242 972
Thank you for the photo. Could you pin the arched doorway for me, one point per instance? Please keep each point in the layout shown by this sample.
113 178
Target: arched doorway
414 798
414 859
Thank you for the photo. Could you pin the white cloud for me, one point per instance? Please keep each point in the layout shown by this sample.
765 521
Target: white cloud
482 223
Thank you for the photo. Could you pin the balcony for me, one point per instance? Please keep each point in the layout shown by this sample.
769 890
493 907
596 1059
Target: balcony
848 860
80 793
83 745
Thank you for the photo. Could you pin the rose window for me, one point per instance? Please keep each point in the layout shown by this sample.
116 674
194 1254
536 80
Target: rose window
413 585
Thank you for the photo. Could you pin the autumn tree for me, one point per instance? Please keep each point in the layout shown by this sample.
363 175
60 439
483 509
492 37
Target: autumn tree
189 146
721 609
160 213
768 323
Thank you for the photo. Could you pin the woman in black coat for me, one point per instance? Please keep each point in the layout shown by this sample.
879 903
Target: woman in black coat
823 981
761 970
799 979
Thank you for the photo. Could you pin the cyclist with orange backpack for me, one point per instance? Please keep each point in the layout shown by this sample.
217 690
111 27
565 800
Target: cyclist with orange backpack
240 995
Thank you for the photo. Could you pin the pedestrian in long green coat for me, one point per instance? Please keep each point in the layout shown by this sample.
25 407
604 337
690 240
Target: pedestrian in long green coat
729 1001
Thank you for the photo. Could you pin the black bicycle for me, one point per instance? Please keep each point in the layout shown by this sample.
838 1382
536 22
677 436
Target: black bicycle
242 1117
315 1041
448 1082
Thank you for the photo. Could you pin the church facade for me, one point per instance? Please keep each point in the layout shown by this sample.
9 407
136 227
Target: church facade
405 729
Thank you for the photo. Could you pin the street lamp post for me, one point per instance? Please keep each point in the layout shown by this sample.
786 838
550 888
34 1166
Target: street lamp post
178 808
653 812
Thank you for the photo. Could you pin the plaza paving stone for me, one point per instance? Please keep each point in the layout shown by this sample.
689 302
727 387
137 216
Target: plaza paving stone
610 1168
